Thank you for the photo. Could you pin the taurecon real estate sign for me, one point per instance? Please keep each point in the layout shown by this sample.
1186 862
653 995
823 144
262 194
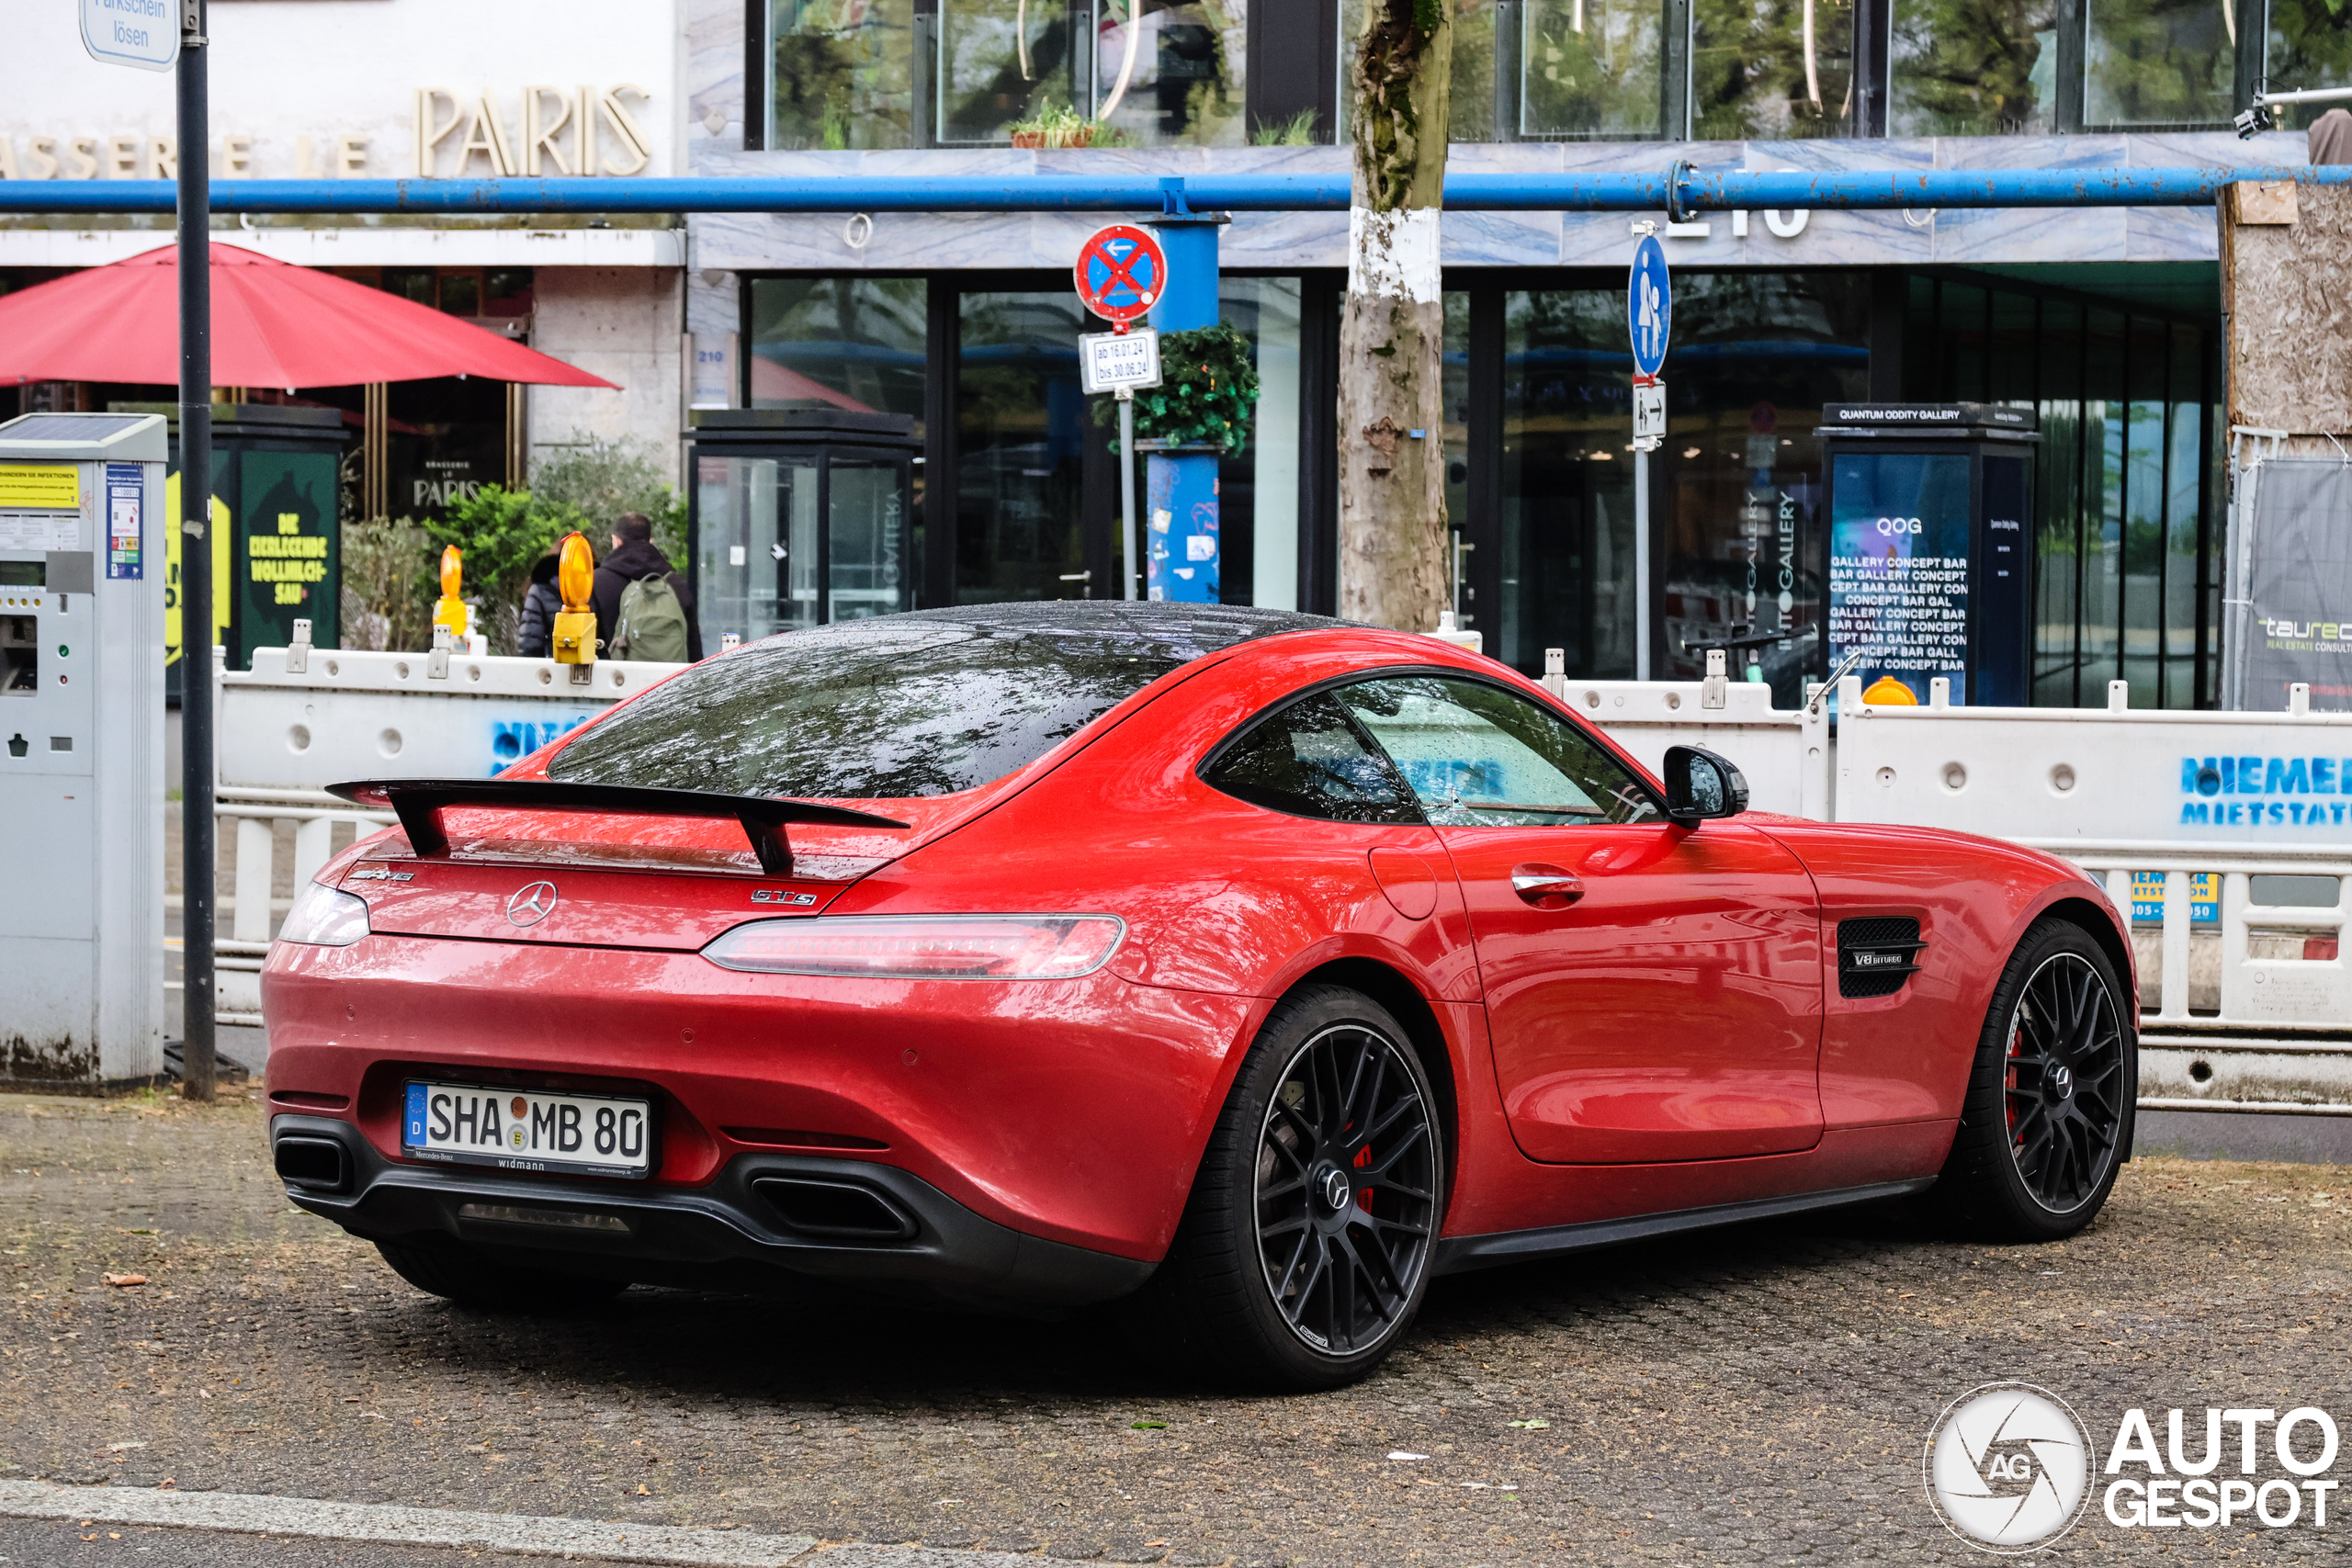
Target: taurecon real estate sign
141 33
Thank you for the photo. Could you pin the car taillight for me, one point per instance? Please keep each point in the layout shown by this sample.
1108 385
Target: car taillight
924 947
324 917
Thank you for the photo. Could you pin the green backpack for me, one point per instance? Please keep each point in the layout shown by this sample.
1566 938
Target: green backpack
652 624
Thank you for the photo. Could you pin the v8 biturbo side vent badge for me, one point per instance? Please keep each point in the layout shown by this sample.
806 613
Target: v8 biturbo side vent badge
1875 956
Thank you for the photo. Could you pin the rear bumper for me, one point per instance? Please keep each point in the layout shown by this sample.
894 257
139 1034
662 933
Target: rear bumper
847 1220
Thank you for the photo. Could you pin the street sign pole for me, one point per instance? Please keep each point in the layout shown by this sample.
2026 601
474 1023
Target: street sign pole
1128 576
1641 562
1121 272
198 1055
1650 322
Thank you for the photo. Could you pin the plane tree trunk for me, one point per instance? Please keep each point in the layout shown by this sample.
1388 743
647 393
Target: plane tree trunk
1393 535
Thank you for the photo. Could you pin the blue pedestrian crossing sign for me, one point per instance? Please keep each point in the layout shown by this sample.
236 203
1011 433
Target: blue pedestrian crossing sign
1649 308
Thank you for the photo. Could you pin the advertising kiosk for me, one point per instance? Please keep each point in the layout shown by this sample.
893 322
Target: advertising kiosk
1930 546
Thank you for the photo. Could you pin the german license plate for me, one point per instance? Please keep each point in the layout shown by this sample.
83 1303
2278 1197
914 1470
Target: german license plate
517 1129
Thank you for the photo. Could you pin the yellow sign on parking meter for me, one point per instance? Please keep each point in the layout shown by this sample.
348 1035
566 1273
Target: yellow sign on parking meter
42 486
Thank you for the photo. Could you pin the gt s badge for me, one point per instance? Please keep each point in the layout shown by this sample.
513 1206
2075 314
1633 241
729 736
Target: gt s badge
779 895
380 874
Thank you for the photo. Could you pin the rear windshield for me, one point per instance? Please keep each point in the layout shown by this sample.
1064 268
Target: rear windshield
901 705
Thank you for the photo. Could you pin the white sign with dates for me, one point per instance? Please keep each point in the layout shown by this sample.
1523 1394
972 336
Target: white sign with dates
1114 361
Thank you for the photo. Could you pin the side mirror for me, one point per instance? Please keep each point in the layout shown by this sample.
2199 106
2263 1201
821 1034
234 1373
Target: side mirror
1699 784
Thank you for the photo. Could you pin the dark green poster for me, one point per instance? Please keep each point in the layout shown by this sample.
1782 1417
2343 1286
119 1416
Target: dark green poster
289 552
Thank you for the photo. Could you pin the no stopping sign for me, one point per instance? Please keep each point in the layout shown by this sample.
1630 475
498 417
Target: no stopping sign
1121 272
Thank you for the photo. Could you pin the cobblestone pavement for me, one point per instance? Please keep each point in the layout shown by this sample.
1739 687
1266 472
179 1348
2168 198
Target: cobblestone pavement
1751 1395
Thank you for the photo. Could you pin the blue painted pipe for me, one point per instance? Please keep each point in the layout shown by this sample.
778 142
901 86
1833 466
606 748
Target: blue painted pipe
1692 190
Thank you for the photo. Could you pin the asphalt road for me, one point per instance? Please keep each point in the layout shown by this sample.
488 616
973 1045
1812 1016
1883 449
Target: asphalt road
1750 1396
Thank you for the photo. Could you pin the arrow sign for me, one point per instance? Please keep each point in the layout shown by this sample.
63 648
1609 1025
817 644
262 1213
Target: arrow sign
1650 308
1121 272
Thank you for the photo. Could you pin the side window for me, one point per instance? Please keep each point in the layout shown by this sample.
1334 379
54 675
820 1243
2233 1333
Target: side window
1477 756
1308 760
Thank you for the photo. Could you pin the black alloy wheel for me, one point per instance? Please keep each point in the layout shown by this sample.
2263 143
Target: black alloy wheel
1346 1190
2062 1081
1308 1240
2046 1123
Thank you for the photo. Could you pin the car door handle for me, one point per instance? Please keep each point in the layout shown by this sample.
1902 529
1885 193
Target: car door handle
1546 887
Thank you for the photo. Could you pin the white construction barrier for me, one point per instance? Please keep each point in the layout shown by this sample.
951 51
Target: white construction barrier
2225 838
1783 753
304 717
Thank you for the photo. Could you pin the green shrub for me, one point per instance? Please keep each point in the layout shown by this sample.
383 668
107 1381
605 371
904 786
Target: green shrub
601 479
1206 389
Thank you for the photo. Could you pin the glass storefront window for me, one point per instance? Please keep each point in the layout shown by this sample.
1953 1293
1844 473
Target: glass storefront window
2184 504
1020 426
1566 571
2310 46
847 343
798 538
1961 68
1590 68
1737 484
2058 563
1171 73
865 539
1454 396
840 73
755 530
1257 500
1771 70
2159 63
1005 61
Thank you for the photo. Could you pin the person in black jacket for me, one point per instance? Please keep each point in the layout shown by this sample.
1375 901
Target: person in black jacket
535 637
633 556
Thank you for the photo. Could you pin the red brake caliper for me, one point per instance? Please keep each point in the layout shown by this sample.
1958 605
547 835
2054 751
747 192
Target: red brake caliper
1364 1158
2009 1081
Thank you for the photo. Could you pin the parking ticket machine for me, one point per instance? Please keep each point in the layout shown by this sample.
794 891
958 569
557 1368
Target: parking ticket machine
82 749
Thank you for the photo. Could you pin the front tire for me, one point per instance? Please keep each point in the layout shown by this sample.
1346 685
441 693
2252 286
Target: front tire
1306 1247
2051 1100
470 1280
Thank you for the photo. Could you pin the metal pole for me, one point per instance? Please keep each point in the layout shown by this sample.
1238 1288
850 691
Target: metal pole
1127 575
196 838
1641 562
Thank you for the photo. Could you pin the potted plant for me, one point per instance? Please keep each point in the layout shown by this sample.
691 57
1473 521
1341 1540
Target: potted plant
1059 125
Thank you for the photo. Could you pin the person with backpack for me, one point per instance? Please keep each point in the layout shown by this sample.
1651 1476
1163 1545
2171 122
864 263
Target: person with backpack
644 608
535 633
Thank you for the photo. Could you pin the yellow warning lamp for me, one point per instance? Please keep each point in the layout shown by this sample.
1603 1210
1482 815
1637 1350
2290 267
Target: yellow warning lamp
450 611
1886 692
575 625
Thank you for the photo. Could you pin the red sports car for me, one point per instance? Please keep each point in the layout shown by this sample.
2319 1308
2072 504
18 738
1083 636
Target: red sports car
1262 965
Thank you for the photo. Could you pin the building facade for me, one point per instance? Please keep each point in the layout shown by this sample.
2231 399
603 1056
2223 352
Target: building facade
951 337
2105 323
385 88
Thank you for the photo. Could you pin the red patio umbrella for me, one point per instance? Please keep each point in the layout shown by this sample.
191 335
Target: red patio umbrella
274 324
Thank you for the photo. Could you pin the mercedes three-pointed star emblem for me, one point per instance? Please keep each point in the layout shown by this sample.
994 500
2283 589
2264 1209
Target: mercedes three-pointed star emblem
531 905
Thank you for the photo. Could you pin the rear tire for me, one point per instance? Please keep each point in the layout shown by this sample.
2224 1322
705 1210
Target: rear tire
470 1279
2050 1104
1306 1247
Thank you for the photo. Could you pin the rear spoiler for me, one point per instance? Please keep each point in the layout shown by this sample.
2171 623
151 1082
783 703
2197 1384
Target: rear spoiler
420 802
